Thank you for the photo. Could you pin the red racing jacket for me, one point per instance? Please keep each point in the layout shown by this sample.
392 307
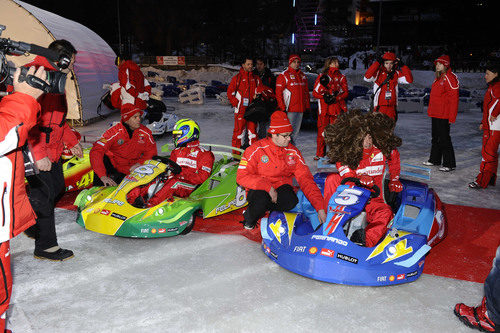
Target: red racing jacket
491 107
18 114
122 149
242 88
132 87
51 133
387 95
292 92
443 100
265 165
373 164
337 86
196 162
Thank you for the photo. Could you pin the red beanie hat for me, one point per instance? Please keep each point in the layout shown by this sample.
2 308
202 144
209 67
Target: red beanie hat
389 56
280 123
444 59
128 110
293 57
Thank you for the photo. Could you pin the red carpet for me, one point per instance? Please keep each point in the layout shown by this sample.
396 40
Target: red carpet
466 253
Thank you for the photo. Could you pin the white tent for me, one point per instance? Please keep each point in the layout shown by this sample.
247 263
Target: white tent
94 64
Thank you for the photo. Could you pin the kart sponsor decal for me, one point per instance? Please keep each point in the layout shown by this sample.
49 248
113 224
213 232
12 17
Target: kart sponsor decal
347 258
118 216
388 239
400 277
275 256
420 263
409 275
105 212
145 169
337 209
348 197
299 249
153 231
114 201
172 229
313 250
144 231
264 158
131 178
162 231
330 239
277 229
327 253
391 278
398 250
239 201
266 248
182 223
333 223
381 278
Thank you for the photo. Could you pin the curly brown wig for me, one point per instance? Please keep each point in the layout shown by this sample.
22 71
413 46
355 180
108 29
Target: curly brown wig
345 137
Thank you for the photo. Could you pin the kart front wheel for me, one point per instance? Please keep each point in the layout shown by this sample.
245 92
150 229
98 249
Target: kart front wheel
189 226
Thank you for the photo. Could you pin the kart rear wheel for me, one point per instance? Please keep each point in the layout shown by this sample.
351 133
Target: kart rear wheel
189 226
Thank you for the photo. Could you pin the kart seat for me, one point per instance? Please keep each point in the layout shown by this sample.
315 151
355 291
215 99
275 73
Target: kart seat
358 222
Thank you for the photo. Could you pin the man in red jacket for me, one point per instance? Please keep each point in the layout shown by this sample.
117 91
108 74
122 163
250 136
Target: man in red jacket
131 88
360 158
243 88
17 115
122 148
266 170
196 163
491 130
443 108
331 91
47 141
386 73
292 94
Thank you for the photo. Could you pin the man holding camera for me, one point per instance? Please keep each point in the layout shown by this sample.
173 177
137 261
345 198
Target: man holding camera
47 141
331 91
18 113
385 73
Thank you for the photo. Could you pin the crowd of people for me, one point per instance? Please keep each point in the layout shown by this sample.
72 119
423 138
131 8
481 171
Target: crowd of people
361 145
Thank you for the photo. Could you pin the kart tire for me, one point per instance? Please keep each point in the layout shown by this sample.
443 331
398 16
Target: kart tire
189 226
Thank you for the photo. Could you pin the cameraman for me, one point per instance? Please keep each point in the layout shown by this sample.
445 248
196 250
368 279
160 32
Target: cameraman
47 141
17 115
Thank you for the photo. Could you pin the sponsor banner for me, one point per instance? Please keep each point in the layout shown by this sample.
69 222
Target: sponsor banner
409 275
118 216
327 252
171 60
347 258
401 277
172 229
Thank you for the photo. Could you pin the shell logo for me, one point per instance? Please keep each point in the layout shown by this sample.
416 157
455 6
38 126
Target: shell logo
153 231
313 250
391 278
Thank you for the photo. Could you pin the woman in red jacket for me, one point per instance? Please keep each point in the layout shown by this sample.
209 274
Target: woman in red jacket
267 169
443 107
491 130
331 91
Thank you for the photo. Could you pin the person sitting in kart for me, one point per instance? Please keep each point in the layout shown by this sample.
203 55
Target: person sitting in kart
361 145
122 148
196 163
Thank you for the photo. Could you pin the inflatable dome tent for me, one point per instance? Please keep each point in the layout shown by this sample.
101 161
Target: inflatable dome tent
95 61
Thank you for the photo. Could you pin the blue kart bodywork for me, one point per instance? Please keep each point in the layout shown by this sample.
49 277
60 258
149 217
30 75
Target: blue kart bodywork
296 241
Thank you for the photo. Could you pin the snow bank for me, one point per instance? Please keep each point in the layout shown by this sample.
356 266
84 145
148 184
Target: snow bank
222 73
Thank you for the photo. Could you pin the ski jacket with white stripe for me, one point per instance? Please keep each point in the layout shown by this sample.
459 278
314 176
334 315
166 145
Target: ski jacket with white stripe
17 115
123 150
243 87
338 87
292 92
443 100
491 107
265 165
387 95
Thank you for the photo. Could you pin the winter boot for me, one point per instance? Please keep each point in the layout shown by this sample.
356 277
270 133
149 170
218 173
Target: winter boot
475 317
58 255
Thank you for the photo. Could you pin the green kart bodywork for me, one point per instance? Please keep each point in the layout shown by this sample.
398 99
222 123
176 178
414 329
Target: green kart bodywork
106 210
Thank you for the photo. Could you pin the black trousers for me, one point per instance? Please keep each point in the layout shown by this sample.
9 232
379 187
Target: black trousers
44 190
111 172
259 202
442 148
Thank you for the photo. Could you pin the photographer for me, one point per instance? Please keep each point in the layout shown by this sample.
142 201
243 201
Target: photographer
47 141
18 113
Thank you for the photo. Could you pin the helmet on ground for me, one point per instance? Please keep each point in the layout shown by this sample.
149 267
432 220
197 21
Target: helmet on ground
185 130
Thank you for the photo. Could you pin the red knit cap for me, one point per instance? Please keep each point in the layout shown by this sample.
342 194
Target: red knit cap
444 59
293 57
128 110
389 56
280 123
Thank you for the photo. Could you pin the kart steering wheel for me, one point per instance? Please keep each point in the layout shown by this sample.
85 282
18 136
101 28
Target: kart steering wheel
171 165
375 189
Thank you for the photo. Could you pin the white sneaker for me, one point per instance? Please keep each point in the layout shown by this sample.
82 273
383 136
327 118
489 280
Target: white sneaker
446 169
428 163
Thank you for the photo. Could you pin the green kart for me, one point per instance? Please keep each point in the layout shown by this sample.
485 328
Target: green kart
106 210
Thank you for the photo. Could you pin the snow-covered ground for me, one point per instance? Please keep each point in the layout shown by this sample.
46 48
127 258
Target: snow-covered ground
224 283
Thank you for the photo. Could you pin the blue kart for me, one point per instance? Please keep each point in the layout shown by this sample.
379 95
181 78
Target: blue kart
297 241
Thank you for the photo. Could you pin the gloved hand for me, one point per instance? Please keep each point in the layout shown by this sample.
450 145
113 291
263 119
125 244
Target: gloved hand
366 180
380 60
399 63
324 80
329 99
395 185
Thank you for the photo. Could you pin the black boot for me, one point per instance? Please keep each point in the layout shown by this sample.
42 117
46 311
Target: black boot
59 255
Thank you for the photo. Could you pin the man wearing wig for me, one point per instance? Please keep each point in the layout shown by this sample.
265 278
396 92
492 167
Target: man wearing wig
361 145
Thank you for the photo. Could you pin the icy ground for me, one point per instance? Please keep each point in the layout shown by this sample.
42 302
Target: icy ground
221 283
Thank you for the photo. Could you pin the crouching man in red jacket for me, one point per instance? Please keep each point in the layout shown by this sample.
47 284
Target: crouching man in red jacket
364 156
18 114
196 163
266 170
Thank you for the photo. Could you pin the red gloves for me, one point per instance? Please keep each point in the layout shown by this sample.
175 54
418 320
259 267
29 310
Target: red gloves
366 180
395 185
